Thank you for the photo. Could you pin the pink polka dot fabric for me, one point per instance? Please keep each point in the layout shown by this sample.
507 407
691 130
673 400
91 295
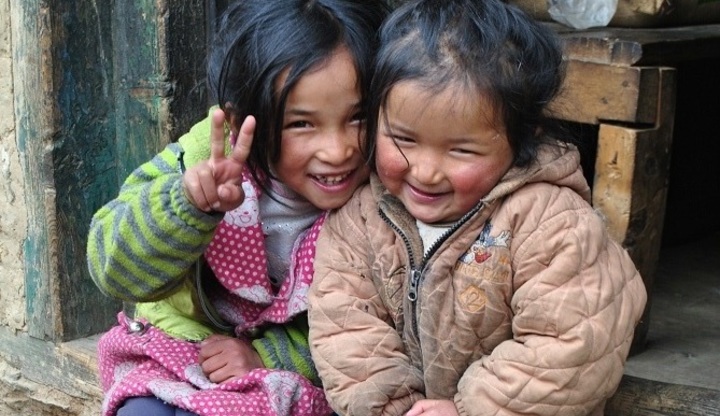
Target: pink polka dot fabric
150 363
248 300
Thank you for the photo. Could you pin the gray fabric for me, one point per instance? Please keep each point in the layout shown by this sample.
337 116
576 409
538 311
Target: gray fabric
285 215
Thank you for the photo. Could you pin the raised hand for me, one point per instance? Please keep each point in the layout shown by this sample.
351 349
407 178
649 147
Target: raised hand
215 184
223 357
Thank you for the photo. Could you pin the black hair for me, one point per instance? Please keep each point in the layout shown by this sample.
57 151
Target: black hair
257 40
484 46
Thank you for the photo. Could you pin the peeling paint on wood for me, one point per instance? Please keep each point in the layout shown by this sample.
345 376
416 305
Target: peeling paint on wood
99 93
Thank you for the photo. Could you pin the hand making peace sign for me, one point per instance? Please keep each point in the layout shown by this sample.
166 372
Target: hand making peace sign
215 184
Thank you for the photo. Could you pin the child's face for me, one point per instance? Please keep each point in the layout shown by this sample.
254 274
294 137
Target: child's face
320 157
439 153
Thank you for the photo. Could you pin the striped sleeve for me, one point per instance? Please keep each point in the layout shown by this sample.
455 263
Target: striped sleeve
142 243
285 347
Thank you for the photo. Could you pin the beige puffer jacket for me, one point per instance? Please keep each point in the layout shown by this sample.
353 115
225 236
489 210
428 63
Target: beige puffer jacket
528 308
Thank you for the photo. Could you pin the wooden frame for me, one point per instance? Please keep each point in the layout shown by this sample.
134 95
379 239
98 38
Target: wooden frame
624 81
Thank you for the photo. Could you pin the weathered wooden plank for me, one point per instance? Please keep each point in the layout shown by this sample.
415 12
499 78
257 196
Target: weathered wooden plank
94 99
640 397
141 89
82 157
642 46
630 186
69 368
593 93
36 113
159 62
186 43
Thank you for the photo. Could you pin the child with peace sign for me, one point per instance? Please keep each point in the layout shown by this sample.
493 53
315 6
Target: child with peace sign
214 239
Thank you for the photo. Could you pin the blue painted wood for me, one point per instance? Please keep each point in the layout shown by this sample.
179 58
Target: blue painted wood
100 88
35 128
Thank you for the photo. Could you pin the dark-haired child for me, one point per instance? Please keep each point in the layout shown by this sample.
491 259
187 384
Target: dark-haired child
214 238
471 276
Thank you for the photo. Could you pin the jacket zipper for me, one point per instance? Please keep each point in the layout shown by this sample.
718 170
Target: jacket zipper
416 273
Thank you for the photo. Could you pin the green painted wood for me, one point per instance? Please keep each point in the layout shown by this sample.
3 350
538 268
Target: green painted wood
68 367
100 87
159 57
186 44
141 87
64 105
83 158
35 113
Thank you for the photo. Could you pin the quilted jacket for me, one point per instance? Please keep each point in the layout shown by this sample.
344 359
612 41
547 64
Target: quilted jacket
525 307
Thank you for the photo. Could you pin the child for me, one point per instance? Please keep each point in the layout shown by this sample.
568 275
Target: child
471 276
216 244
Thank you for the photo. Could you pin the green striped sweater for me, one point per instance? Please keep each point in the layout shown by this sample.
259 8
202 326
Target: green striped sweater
143 247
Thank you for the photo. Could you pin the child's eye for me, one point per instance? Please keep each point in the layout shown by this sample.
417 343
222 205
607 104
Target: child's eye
358 117
462 151
402 140
300 124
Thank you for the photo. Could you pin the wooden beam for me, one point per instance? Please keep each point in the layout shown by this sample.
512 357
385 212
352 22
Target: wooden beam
70 368
594 93
623 46
640 397
159 59
36 112
630 186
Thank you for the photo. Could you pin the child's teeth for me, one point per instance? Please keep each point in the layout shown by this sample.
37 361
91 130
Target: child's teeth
331 179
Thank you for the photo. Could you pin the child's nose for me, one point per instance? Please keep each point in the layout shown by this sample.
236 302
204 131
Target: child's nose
427 169
338 146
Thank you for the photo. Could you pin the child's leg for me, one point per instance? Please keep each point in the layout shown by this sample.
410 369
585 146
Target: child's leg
146 406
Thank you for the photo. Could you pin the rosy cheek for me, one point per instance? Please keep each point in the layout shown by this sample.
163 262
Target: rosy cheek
475 183
390 165
389 160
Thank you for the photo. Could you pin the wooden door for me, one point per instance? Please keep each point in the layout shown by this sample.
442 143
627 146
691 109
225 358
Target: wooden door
100 88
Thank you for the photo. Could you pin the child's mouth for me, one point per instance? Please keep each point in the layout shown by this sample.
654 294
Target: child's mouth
332 179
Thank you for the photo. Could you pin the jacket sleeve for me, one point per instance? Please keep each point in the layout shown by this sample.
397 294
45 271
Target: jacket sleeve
358 353
577 298
141 243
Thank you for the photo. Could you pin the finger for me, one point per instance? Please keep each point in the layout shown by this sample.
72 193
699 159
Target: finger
417 409
208 188
212 364
231 195
193 186
212 345
213 338
222 375
244 140
217 135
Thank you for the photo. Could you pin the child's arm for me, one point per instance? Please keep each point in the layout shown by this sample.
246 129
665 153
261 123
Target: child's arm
359 355
577 300
280 346
141 243
285 347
